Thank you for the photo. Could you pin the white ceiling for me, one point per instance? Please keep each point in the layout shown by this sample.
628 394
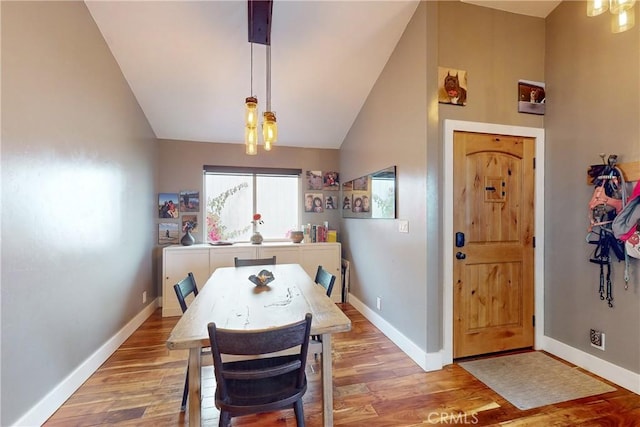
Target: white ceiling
189 62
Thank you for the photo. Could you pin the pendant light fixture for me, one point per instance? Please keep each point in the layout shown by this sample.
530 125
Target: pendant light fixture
269 125
251 118
622 13
259 20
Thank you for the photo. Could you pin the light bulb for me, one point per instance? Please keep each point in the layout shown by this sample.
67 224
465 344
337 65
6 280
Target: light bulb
623 21
251 112
269 130
596 7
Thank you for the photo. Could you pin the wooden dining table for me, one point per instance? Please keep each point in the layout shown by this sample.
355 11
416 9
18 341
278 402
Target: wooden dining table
232 301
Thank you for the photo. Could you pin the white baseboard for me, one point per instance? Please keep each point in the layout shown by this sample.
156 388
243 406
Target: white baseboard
607 370
427 361
42 410
434 361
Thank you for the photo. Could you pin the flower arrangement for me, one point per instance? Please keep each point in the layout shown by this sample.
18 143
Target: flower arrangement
216 230
257 219
189 225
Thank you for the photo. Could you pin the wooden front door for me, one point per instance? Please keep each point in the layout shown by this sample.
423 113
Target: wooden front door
493 192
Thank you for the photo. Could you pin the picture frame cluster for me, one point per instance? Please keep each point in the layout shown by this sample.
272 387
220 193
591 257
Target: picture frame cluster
322 191
175 210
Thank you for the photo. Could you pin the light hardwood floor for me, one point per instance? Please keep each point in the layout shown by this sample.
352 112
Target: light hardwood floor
375 385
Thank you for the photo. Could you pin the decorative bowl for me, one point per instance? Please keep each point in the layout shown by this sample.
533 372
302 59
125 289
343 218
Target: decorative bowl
262 279
296 236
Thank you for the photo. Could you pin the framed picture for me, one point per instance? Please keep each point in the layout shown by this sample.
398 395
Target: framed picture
189 218
331 181
189 201
452 88
346 202
330 202
531 97
168 205
313 202
168 233
361 183
314 180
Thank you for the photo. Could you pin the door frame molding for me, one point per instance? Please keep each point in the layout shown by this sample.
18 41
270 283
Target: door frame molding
449 127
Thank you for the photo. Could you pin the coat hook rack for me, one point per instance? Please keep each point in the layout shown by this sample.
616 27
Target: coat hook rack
630 170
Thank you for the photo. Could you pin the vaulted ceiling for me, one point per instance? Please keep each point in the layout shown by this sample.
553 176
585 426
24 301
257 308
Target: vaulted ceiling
188 63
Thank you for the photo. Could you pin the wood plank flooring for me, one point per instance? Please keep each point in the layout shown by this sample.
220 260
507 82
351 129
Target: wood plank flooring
375 385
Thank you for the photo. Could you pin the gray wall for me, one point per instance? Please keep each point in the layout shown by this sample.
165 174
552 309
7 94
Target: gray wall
593 107
391 130
400 124
78 162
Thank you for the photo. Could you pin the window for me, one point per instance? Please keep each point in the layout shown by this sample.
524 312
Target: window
233 195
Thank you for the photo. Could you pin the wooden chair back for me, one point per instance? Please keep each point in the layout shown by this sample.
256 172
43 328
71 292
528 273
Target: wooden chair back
325 279
184 288
260 384
258 261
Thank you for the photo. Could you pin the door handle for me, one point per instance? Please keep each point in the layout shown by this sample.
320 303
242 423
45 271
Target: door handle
461 255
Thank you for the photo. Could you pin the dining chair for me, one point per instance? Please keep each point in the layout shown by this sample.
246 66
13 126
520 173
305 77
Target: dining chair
259 261
325 279
261 384
184 288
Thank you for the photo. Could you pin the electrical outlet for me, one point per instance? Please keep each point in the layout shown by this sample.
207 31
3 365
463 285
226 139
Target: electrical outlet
597 339
379 303
144 297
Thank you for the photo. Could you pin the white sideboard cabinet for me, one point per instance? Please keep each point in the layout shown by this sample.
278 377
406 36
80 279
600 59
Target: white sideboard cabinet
202 260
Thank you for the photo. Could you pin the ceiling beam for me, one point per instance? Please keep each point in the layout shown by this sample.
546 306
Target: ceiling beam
259 12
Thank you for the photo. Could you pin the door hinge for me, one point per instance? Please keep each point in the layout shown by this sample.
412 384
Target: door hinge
534 162
533 321
533 241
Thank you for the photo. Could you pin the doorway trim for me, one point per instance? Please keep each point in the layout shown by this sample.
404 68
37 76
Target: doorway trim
449 127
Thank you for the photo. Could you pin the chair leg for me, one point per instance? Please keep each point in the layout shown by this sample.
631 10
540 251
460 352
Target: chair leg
225 419
183 407
299 411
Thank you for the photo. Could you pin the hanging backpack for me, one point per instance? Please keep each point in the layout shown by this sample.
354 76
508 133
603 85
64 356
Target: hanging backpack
626 224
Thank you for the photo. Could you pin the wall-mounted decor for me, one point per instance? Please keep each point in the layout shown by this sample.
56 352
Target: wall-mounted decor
452 86
168 205
531 97
346 202
331 181
314 180
330 202
191 219
370 196
313 202
168 233
189 201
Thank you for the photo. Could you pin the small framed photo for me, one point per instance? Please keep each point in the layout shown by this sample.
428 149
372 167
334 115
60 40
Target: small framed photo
531 97
168 233
189 218
313 202
331 181
314 180
189 201
330 202
346 202
452 87
168 205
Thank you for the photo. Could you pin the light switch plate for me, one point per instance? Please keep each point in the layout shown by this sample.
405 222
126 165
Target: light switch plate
403 226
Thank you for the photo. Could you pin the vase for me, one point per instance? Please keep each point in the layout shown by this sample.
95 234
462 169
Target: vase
187 239
256 238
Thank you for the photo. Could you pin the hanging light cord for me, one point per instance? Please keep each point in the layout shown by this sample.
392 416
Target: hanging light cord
251 69
268 77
